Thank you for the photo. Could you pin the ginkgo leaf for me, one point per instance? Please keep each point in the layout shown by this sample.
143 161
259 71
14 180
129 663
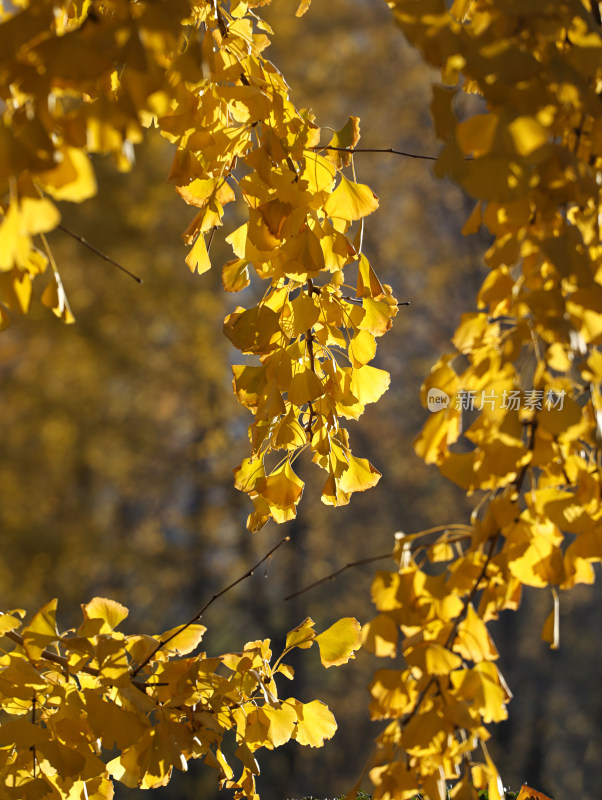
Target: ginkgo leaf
359 476
282 723
347 137
182 641
198 258
338 642
303 7
351 201
302 636
110 612
41 631
368 284
72 179
235 275
527 793
304 387
380 636
8 623
315 723
369 384
54 297
282 487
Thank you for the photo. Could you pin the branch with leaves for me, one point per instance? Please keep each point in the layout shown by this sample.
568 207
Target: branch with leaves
68 699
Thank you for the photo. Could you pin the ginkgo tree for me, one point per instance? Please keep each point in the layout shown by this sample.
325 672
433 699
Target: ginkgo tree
521 417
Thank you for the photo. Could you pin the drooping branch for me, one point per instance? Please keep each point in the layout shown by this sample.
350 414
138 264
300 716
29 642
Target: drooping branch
162 642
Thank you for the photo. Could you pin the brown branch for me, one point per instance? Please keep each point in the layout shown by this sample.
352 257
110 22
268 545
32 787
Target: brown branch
223 28
373 558
595 6
309 338
518 482
333 575
48 655
162 642
454 630
374 150
98 252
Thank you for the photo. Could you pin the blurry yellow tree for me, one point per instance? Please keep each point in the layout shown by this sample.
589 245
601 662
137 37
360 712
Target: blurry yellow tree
521 412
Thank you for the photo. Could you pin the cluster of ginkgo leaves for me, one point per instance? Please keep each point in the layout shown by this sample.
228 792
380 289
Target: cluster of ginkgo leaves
68 701
521 417
81 78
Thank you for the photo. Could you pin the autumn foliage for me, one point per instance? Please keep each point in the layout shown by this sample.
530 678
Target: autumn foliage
521 426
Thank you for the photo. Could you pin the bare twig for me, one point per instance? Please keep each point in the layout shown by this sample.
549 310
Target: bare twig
162 642
374 150
98 252
362 561
333 575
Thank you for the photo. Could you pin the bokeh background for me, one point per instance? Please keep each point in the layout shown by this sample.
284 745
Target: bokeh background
118 435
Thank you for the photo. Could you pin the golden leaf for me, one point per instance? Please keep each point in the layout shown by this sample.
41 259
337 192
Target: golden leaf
315 723
109 611
351 201
302 636
338 642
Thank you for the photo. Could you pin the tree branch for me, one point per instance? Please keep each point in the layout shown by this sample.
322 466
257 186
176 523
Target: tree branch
98 252
162 642
374 150
333 575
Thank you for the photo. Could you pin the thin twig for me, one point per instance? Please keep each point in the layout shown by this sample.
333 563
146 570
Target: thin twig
362 561
162 642
48 655
61 661
98 252
374 150
333 575
33 722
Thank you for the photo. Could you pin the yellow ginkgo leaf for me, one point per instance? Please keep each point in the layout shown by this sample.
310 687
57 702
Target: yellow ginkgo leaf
235 275
41 631
72 179
362 350
315 723
282 488
54 297
338 642
305 387
359 476
282 723
527 135
368 384
302 636
185 639
8 623
198 258
351 201
110 611
347 137
303 7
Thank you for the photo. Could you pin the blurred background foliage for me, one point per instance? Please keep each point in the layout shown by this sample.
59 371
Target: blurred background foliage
118 434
